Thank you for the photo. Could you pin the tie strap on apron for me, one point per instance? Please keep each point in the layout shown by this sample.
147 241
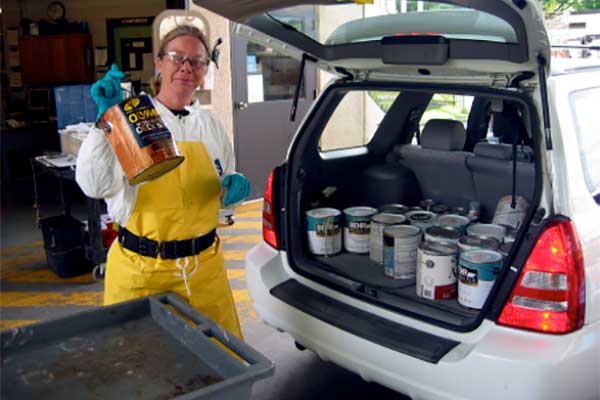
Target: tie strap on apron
166 250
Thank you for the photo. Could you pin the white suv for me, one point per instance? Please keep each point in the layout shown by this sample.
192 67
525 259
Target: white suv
450 104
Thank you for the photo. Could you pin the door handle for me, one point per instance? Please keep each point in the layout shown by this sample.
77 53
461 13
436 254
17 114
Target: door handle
240 105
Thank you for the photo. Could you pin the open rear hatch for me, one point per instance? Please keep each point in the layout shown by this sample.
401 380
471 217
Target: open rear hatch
476 47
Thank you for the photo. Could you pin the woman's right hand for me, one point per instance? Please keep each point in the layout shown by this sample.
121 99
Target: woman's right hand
107 91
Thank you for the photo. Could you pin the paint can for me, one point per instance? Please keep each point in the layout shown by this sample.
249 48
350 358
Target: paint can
378 223
506 215
400 244
466 243
442 235
140 139
357 228
439 208
421 219
453 221
436 270
487 230
477 273
426 204
393 209
324 231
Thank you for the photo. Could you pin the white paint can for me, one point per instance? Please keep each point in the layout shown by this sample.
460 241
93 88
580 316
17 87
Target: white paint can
400 244
378 223
357 228
436 270
487 230
509 216
324 231
477 273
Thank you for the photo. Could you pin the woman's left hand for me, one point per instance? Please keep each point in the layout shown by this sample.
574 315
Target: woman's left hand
238 188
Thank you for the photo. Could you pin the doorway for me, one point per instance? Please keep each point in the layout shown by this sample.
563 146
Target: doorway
264 83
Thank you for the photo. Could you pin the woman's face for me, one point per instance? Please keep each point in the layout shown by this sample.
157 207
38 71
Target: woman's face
180 67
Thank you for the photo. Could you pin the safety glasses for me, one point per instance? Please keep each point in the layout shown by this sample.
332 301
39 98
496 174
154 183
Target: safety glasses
196 62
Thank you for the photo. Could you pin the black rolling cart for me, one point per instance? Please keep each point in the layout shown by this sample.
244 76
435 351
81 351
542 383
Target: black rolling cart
69 250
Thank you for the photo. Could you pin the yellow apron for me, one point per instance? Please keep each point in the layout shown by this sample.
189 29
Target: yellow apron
179 205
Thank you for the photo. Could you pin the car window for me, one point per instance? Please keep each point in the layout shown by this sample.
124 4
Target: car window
356 119
584 106
446 106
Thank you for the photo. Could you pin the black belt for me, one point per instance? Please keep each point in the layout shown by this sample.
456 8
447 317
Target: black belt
167 250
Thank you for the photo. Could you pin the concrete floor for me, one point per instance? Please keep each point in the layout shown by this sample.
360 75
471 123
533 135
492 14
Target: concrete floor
30 292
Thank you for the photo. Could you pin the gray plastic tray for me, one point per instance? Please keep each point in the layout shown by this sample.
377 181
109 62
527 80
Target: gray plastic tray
157 347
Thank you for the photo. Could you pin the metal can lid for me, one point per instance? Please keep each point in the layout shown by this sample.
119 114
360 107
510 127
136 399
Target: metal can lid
323 212
489 243
452 221
487 230
393 209
438 248
439 208
481 256
443 233
388 219
401 231
420 216
360 211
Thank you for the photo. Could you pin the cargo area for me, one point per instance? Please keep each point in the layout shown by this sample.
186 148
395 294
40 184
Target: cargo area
438 153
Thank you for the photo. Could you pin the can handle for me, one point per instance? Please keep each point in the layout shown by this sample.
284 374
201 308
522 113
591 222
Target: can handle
212 329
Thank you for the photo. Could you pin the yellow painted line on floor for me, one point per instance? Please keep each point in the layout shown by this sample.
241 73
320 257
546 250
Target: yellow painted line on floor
21 248
255 205
244 225
249 214
237 274
243 305
240 238
23 260
15 323
235 255
41 276
49 299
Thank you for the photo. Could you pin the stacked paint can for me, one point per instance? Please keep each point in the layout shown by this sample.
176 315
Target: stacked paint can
475 243
357 228
324 233
436 270
393 209
378 224
442 235
453 221
477 273
400 244
421 219
486 231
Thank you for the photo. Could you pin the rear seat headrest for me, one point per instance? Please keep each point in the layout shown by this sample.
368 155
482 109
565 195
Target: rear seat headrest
443 134
502 151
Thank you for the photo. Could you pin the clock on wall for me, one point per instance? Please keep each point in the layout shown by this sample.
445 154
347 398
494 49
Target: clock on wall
56 11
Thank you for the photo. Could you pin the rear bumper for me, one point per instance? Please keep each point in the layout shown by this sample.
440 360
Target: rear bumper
492 362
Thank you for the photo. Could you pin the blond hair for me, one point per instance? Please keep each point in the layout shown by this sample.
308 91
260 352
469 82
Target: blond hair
181 30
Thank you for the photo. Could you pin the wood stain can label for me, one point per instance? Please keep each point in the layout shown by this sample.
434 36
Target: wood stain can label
324 231
436 270
400 244
144 121
477 273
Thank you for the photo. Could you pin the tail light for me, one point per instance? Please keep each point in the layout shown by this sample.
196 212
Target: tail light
549 295
269 227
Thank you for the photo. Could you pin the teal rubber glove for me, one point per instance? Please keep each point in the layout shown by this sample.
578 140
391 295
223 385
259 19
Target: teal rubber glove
107 91
238 188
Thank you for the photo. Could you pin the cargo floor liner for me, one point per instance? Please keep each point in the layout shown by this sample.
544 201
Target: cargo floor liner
399 293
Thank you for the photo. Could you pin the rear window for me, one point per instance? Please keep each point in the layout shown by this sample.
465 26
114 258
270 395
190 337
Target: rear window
356 119
584 106
352 22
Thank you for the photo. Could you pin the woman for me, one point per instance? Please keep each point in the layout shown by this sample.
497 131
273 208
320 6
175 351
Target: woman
167 239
